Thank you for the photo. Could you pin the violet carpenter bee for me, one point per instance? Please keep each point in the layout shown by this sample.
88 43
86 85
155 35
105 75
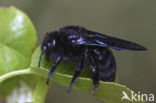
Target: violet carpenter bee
75 43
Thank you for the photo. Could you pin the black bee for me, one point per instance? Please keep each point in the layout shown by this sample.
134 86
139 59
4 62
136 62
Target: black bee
74 43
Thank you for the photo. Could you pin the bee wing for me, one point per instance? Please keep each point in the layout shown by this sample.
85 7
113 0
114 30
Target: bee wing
96 39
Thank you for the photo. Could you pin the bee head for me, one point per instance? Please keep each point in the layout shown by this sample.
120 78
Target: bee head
49 41
49 44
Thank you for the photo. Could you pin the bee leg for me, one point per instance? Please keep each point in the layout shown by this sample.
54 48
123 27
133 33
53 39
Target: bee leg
79 67
53 68
95 73
96 80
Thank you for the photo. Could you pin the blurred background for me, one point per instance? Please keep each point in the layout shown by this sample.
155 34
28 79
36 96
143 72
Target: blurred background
133 20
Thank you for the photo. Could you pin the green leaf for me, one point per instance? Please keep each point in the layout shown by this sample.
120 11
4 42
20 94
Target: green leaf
17 31
17 42
11 60
40 91
6 87
9 81
15 73
108 91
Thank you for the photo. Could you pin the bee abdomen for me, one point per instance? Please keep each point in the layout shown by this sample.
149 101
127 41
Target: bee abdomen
105 64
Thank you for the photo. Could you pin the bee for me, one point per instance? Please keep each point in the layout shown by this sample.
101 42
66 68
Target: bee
75 43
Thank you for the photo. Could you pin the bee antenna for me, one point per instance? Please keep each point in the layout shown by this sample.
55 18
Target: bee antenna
44 48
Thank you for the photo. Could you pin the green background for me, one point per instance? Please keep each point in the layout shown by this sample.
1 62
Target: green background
133 20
